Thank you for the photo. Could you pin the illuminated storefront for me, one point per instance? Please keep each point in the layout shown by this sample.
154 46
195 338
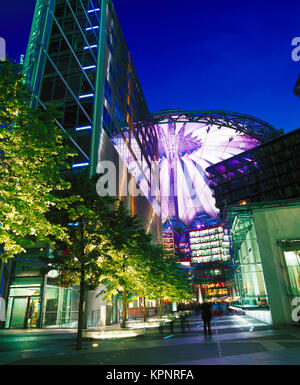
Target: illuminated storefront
214 292
34 299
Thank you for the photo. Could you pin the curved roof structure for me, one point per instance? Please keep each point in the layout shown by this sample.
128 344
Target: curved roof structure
188 143
191 141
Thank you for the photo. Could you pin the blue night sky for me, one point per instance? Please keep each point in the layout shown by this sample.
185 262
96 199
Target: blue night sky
229 55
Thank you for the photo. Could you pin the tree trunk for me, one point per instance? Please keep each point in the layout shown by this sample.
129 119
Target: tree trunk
159 308
80 310
123 324
145 310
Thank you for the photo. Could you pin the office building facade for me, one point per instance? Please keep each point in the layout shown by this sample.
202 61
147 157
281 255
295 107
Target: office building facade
78 60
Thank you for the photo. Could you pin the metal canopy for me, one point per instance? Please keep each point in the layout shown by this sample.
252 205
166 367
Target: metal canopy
249 125
191 141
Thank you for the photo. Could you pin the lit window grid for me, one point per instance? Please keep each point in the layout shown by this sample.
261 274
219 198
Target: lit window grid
132 152
80 67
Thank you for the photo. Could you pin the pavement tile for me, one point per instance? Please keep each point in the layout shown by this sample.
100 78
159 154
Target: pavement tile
235 341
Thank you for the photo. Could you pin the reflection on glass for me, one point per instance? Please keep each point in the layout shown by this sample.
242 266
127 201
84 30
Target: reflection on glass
292 260
250 283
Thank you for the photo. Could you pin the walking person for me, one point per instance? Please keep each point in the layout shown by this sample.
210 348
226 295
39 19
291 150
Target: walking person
171 325
182 323
206 317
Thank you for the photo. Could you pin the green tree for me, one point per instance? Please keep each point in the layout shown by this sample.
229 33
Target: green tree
123 239
142 267
32 153
81 258
162 277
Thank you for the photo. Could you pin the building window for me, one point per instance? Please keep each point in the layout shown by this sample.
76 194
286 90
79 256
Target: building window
108 92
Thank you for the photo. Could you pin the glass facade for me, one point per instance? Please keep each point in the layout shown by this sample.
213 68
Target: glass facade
34 300
35 306
23 307
188 143
210 245
126 118
207 254
65 73
60 307
290 253
250 284
85 68
265 173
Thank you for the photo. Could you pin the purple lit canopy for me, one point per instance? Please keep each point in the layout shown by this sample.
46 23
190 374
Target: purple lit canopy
188 143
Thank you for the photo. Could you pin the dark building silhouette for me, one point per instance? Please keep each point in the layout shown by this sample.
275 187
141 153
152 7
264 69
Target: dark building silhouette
268 172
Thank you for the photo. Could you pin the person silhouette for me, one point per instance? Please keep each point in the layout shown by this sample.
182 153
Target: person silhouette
206 316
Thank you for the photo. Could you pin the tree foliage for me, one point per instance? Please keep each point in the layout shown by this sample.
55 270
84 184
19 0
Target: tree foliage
142 266
32 153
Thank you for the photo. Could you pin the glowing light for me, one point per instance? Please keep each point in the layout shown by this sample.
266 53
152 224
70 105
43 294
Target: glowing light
91 46
83 128
90 28
142 325
76 165
185 151
89 67
93 10
86 96
112 334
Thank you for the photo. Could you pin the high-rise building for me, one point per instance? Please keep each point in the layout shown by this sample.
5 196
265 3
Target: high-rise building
77 59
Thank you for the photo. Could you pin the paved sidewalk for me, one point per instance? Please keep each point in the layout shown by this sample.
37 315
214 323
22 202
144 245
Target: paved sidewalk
236 340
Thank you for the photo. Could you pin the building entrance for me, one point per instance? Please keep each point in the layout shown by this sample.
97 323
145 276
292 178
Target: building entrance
24 312
291 268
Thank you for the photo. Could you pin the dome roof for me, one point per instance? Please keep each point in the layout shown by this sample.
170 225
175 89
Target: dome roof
188 143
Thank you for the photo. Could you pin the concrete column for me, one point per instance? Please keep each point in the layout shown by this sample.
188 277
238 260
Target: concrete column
272 270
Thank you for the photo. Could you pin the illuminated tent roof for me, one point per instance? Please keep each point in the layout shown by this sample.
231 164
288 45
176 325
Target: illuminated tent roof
188 143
